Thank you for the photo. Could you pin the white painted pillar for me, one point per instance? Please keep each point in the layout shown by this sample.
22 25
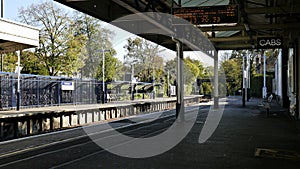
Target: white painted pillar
264 89
19 81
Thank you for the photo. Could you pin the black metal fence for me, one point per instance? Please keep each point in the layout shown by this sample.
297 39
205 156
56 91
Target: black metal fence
38 91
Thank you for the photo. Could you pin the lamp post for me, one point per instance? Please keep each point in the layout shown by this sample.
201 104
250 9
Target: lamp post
103 71
132 78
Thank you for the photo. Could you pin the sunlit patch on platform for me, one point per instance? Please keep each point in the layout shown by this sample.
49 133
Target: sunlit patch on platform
278 154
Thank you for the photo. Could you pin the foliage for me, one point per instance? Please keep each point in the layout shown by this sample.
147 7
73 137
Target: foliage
257 84
110 67
31 64
9 62
171 68
58 48
68 45
206 88
191 71
150 64
98 41
232 70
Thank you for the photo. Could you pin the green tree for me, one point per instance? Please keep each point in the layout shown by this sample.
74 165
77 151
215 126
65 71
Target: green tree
232 70
59 47
150 64
207 87
98 38
170 67
9 62
31 64
191 70
111 67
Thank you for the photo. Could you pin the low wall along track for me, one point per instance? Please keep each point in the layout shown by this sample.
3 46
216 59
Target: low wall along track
40 120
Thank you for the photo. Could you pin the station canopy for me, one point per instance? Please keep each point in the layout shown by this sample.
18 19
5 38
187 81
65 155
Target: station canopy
17 36
255 18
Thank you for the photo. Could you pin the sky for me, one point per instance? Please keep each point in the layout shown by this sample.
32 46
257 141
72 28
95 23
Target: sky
11 12
11 7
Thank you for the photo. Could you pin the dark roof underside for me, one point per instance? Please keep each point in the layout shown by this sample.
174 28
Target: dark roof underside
257 18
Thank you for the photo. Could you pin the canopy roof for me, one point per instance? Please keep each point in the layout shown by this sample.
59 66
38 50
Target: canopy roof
257 18
17 36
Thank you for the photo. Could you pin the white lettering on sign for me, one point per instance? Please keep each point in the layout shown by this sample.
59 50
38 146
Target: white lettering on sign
269 42
272 42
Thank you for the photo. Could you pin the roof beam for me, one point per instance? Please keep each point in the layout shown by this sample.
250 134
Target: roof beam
256 26
269 10
220 28
255 3
236 38
234 46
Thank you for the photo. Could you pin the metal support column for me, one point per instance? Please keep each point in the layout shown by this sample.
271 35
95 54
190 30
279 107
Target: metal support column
179 82
284 69
216 80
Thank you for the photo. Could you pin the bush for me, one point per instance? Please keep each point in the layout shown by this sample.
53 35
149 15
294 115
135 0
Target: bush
257 83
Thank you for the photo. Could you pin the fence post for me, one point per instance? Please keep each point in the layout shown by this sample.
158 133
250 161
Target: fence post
38 91
58 92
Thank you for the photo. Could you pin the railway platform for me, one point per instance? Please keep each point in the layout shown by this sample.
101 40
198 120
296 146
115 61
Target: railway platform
245 138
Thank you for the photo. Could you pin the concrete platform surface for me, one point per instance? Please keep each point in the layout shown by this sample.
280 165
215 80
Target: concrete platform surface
233 145
244 139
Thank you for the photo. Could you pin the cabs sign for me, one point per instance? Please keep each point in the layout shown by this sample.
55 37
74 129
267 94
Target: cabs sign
269 42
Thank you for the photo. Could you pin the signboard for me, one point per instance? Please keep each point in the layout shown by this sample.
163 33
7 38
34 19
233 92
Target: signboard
208 14
269 42
67 85
173 90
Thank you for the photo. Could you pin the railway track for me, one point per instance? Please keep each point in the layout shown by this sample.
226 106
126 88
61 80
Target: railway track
60 153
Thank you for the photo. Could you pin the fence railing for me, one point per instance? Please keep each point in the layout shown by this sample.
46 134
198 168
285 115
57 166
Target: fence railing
38 91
